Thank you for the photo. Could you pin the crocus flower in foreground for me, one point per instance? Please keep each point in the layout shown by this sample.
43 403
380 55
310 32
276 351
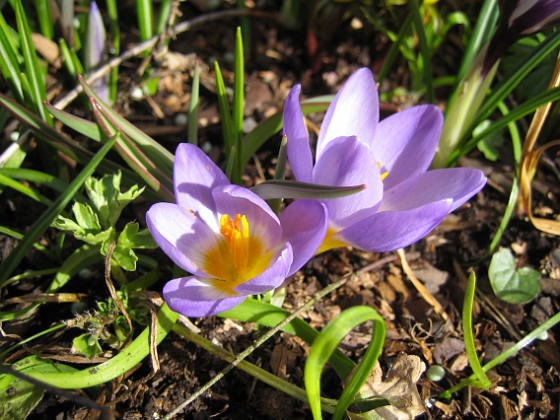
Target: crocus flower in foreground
227 237
402 201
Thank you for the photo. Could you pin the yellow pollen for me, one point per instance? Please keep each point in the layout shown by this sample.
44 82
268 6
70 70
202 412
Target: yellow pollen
236 232
384 174
237 256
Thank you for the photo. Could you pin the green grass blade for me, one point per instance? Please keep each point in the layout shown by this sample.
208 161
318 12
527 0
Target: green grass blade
45 220
514 193
483 29
33 70
423 46
193 107
44 16
522 110
34 176
394 50
115 30
83 257
85 127
145 13
223 104
326 343
23 189
60 141
470 347
158 180
238 102
9 65
164 14
70 59
161 157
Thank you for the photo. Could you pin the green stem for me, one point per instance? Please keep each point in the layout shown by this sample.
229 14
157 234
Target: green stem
470 348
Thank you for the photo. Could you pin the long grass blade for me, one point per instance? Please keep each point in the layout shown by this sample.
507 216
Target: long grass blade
9 65
193 107
33 71
238 103
470 347
423 46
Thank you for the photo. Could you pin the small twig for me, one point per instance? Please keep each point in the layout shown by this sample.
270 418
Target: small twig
426 295
306 306
113 291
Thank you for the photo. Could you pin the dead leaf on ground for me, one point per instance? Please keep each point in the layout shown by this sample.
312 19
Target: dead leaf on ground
399 388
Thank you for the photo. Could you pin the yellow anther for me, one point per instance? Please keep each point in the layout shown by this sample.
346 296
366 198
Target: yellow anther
384 174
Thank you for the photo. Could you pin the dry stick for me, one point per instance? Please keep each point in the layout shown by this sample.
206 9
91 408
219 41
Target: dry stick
113 291
426 295
319 295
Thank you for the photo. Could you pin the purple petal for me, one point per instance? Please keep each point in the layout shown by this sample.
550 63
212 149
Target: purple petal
298 148
195 175
532 16
181 235
304 225
455 184
405 142
264 224
272 277
347 161
195 297
354 111
391 230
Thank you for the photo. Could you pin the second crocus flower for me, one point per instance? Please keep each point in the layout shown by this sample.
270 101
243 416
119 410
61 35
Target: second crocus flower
403 201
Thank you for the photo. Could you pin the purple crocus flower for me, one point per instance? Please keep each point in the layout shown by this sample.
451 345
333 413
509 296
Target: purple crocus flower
227 237
403 201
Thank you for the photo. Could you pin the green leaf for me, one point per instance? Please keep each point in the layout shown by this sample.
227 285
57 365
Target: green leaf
86 217
87 344
132 237
509 284
107 198
19 397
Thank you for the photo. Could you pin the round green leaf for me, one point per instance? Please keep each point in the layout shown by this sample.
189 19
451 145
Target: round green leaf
509 284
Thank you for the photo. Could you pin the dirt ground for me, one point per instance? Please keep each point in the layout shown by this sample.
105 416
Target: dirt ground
526 386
